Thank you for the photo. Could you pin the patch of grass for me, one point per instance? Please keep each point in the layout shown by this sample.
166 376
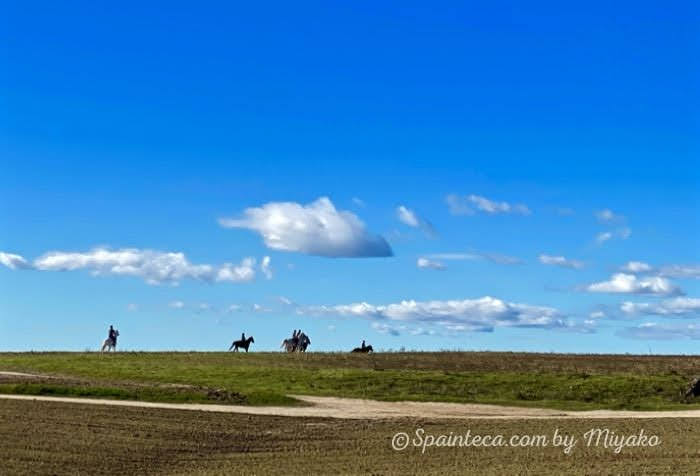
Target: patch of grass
563 381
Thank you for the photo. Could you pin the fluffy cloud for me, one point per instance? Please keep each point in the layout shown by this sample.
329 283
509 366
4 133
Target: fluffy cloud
635 267
317 228
560 261
155 267
176 304
428 263
680 306
678 271
467 205
631 284
481 314
13 261
655 331
265 267
410 218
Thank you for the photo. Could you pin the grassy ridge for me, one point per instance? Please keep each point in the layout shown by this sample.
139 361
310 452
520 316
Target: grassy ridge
549 380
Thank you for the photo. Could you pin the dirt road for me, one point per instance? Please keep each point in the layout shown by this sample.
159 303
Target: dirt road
353 408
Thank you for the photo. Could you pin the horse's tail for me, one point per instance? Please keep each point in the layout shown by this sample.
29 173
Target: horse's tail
284 343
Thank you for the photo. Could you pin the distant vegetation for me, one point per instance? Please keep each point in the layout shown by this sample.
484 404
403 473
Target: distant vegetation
573 382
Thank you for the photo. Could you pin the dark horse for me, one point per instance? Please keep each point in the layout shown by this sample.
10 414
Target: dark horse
243 344
363 350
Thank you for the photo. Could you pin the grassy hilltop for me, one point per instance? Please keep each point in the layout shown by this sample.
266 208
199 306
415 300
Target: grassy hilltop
565 381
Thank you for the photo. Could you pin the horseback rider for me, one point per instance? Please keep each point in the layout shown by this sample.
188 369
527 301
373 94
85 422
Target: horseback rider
112 335
242 336
295 338
363 347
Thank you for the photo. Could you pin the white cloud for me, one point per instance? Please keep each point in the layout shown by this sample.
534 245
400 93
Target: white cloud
383 328
234 308
476 255
132 307
407 216
481 314
359 202
176 304
317 228
621 233
13 261
427 263
265 267
678 271
624 233
630 284
681 271
410 218
655 331
607 216
636 267
155 267
560 261
603 236
285 301
459 205
597 315
679 306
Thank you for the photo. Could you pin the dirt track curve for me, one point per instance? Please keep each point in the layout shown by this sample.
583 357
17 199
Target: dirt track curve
355 408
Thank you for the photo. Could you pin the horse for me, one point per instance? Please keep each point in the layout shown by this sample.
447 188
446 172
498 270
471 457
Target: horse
300 345
365 350
288 345
304 342
243 344
110 344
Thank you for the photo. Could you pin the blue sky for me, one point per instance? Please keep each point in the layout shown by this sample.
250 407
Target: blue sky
510 177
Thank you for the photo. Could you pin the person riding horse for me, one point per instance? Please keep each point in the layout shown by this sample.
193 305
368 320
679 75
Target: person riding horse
242 344
364 349
112 335
297 343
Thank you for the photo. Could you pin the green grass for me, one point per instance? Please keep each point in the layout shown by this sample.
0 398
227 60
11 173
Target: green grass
554 381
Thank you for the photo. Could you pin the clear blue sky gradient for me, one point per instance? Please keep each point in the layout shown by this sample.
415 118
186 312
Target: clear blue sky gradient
131 125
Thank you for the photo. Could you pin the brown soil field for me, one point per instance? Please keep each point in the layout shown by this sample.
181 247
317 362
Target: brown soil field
61 438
